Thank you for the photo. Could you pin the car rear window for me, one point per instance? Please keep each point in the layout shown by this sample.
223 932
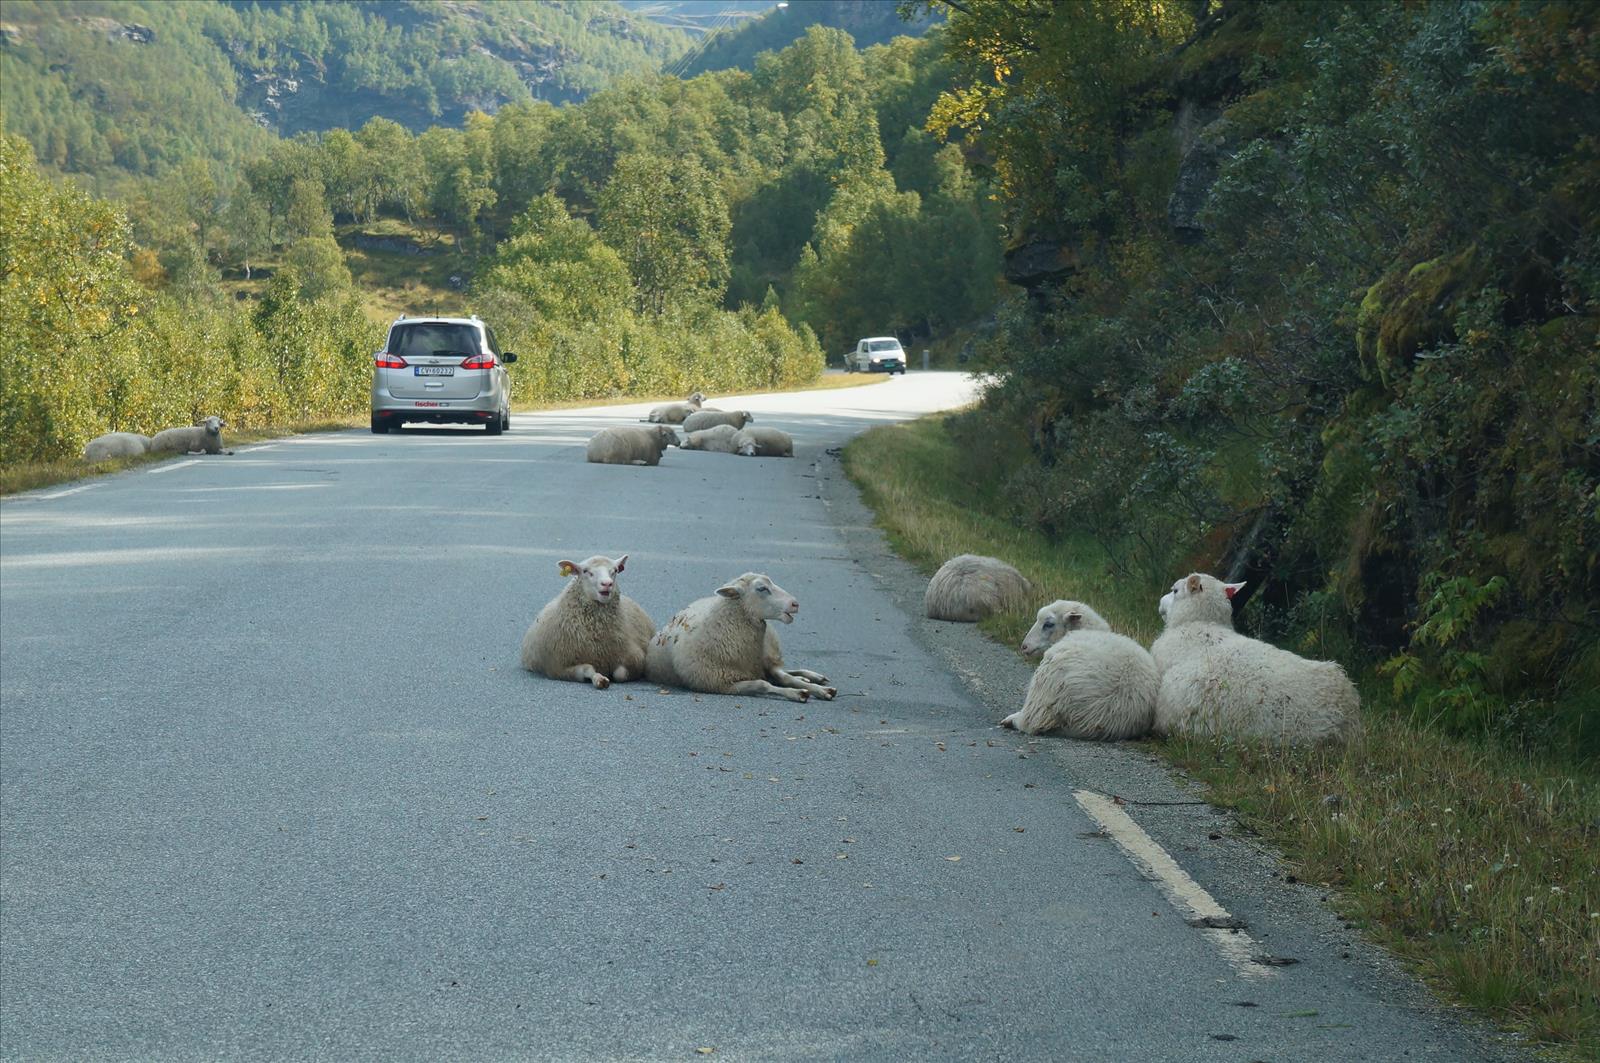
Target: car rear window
422 339
884 345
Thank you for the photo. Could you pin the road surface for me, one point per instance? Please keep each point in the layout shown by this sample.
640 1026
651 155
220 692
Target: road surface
272 786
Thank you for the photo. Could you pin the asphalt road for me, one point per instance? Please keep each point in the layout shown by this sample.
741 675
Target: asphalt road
272 786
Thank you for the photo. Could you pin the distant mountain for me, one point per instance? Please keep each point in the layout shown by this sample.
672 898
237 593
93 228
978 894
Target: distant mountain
868 21
139 85
699 16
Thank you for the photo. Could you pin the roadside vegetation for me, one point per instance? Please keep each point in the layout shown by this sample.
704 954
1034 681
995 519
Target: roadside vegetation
1476 862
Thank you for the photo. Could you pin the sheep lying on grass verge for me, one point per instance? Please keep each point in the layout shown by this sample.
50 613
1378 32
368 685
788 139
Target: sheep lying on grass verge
205 436
719 440
763 443
675 412
969 587
704 419
1215 681
116 445
629 445
724 645
1092 683
590 632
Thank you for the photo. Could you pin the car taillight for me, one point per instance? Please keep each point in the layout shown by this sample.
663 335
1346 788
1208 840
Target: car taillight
479 361
385 360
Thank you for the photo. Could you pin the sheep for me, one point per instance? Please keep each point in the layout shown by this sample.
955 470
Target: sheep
1092 684
675 412
720 439
631 445
764 443
591 632
204 436
1215 681
116 445
724 645
968 588
702 419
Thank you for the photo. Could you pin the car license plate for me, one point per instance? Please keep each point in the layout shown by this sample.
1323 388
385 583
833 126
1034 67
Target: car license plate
435 370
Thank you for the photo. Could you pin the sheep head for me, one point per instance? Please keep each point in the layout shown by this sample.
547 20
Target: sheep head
761 598
668 436
213 425
1058 619
597 577
1199 598
696 400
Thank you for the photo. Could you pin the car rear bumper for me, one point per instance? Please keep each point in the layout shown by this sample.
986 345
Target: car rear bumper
890 366
475 410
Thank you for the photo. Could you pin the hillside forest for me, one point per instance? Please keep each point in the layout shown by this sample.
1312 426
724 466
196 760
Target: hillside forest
1301 292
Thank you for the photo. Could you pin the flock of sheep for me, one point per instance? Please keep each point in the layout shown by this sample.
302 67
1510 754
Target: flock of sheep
1200 677
705 428
204 437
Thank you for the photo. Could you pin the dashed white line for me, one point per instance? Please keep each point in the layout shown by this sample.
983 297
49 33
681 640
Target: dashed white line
174 465
68 491
1187 895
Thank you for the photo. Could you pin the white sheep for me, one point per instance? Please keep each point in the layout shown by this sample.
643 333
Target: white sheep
703 419
1092 684
764 443
1215 681
631 445
969 587
724 645
675 412
116 445
206 436
591 632
720 440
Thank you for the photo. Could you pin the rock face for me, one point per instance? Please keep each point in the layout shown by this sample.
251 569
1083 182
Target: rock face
1202 156
1040 263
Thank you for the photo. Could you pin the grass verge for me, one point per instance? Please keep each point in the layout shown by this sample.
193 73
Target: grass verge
32 475
1477 865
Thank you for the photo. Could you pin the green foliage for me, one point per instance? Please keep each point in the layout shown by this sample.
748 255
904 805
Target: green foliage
1365 371
86 349
669 222
869 23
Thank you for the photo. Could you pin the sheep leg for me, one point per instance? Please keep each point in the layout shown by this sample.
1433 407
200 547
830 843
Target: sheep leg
792 679
761 686
586 673
1024 723
804 673
620 674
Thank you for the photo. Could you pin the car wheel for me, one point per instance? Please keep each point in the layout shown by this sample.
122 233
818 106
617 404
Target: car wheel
494 425
379 425
505 419
849 365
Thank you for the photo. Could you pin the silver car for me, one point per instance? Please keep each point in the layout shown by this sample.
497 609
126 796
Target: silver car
443 370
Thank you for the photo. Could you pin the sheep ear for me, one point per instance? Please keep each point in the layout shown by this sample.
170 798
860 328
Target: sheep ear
621 563
730 590
1074 618
568 568
1193 583
1230 589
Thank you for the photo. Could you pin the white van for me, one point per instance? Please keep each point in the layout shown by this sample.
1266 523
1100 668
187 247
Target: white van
879 354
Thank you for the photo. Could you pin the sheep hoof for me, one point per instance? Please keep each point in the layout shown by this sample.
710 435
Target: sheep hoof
1010 721
828 694
600 681
805 695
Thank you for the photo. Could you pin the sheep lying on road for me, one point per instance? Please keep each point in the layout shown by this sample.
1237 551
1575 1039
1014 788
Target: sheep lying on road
675 412
724 645
205 436
1092 683
703 419
590 632
763 443
969 587
719 439
630 445
116 445
1215 681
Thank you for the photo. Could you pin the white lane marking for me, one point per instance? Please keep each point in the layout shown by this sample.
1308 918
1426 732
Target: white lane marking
1187 895
174 465
68 491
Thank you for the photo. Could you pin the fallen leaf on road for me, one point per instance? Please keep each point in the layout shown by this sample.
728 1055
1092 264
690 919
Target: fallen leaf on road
705 1050
952 859
1020 830
872 963
718 886
940 746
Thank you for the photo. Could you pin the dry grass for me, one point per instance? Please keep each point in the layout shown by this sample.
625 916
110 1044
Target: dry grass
1477 865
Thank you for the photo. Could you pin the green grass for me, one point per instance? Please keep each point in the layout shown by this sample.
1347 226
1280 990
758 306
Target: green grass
1477 865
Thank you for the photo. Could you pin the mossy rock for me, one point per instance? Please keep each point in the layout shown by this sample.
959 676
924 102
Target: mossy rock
1412 309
